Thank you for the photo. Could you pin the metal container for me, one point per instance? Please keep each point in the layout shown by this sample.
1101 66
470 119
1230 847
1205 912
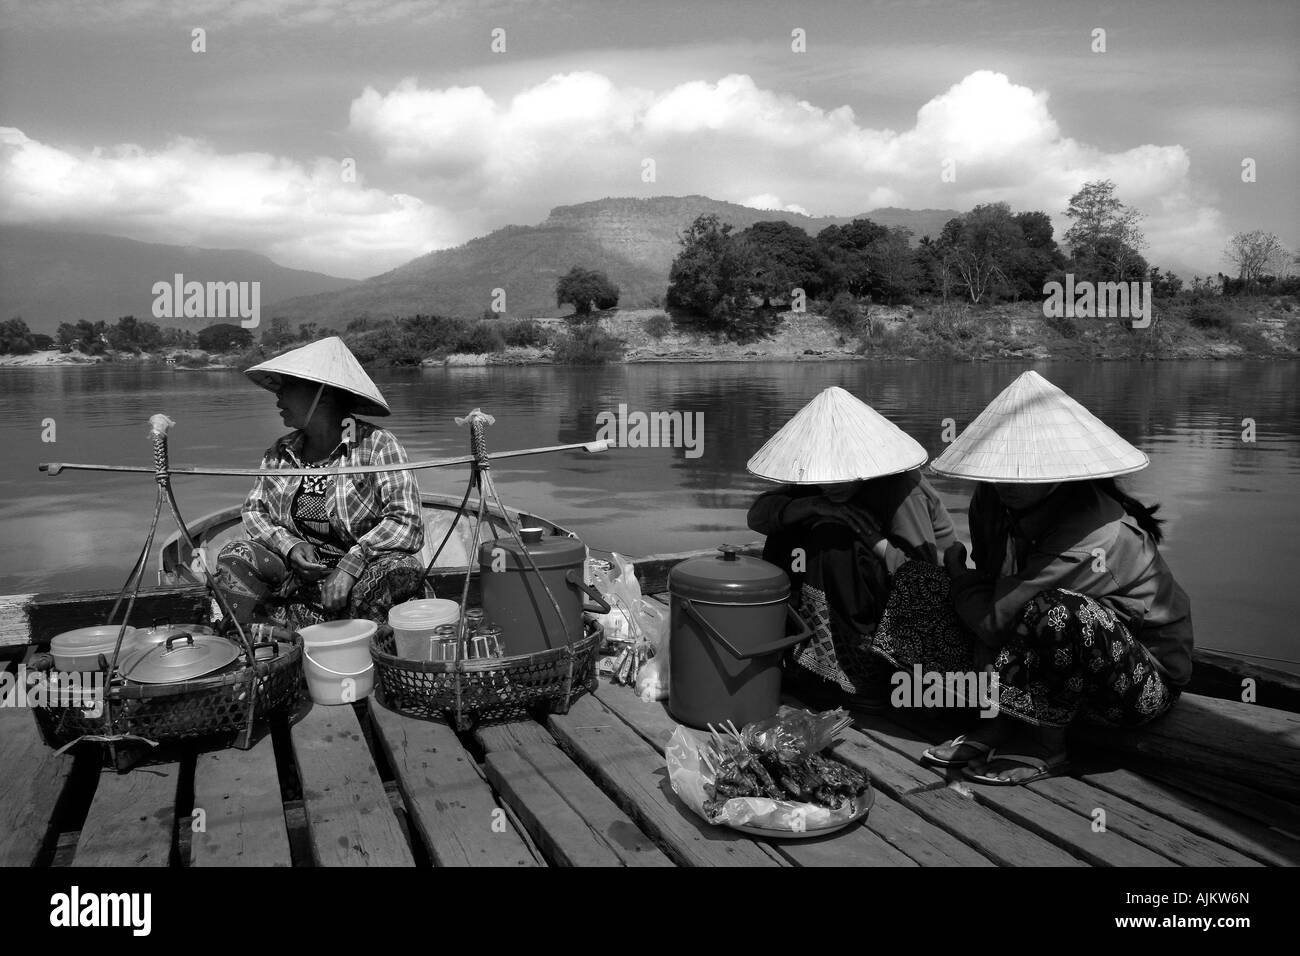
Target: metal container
81 649
727 630
515 599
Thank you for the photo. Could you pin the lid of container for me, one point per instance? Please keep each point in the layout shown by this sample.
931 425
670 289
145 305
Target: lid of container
729 578
188 657
158 633
547 550
99 639
422 614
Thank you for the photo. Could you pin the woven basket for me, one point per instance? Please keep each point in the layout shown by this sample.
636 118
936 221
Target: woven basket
470 691
211 706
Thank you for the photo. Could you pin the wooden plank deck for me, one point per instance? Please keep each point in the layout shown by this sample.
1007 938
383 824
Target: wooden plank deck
361 785
242 820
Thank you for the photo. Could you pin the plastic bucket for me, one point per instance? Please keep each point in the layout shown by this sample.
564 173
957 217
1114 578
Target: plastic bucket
336 660
413 624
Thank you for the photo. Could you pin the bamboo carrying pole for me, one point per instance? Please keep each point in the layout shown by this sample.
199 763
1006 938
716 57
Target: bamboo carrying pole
53 468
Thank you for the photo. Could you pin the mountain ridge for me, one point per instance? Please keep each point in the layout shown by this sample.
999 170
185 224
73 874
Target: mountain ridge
633 240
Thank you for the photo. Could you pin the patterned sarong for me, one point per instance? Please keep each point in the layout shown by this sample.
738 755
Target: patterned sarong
259 586
1068 657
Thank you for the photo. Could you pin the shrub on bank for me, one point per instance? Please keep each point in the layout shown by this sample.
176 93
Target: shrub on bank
658 325
525 334
587 345
1209 316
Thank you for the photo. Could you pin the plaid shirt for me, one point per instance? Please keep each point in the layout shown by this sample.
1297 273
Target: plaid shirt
375 514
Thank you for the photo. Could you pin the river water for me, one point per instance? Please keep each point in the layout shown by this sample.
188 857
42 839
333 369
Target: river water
1232 537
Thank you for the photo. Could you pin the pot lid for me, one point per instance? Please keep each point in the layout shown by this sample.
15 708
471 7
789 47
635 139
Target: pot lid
188 657
99 639
547 550
423 613
729 578
158 633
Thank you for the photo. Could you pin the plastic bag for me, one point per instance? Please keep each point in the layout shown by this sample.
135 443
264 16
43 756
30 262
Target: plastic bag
636 626
692 778
792 732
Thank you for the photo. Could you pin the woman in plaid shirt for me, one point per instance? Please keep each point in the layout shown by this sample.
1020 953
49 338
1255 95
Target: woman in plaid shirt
333 546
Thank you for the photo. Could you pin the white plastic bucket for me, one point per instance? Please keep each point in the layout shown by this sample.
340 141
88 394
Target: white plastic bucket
413 624
336 660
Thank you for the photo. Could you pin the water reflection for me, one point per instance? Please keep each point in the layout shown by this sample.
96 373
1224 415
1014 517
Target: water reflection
1234 520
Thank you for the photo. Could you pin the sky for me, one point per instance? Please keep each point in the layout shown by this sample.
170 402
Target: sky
350 137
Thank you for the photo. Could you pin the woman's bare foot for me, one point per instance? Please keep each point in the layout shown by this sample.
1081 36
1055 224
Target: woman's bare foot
988 733
1045 743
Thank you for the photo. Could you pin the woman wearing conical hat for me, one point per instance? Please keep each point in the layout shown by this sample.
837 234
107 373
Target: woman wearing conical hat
327 547
1070 600
852 509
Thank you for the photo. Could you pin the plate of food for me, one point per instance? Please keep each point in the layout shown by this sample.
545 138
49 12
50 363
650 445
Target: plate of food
774 778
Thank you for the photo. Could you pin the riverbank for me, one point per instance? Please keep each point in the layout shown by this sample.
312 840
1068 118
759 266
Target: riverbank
1217 328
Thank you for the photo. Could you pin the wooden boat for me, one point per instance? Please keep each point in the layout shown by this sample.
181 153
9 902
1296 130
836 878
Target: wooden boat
1216 782
177 565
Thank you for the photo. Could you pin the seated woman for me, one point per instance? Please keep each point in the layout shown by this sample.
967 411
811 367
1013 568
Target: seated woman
1070 601
852 510
327 547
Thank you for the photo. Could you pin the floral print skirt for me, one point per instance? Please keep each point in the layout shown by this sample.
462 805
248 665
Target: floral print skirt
259 586
1067 658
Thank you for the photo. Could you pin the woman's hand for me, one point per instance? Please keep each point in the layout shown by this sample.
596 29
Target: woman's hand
336 590
954 559
305 563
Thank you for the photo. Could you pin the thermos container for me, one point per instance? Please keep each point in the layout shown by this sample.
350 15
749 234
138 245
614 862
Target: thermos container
514 597
727 631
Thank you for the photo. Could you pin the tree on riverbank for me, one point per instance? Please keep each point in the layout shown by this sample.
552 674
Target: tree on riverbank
1104 238
586 289
1257 254
15 337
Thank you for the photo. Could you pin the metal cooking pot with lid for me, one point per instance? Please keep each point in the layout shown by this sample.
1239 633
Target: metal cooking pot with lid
81 649
514 598
162 628
180 657
727 632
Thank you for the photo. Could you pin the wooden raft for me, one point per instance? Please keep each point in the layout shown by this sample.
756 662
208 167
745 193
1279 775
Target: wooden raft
358 785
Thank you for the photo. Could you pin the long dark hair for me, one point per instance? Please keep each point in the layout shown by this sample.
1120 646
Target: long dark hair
1145 517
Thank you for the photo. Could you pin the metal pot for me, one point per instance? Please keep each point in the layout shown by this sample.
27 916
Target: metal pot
514 597
727 631
180 657
81 649
161 629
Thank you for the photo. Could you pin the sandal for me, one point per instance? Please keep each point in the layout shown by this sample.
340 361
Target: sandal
1056 764
959 741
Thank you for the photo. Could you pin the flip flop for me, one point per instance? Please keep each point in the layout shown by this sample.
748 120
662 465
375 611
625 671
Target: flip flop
958 741
1053 765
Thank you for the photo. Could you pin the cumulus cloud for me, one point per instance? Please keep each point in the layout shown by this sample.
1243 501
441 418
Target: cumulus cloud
769 201
577 136
301 214
457 161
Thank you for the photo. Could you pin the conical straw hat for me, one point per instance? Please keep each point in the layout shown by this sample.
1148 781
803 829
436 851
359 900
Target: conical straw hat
836 437
1034 433
329 362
